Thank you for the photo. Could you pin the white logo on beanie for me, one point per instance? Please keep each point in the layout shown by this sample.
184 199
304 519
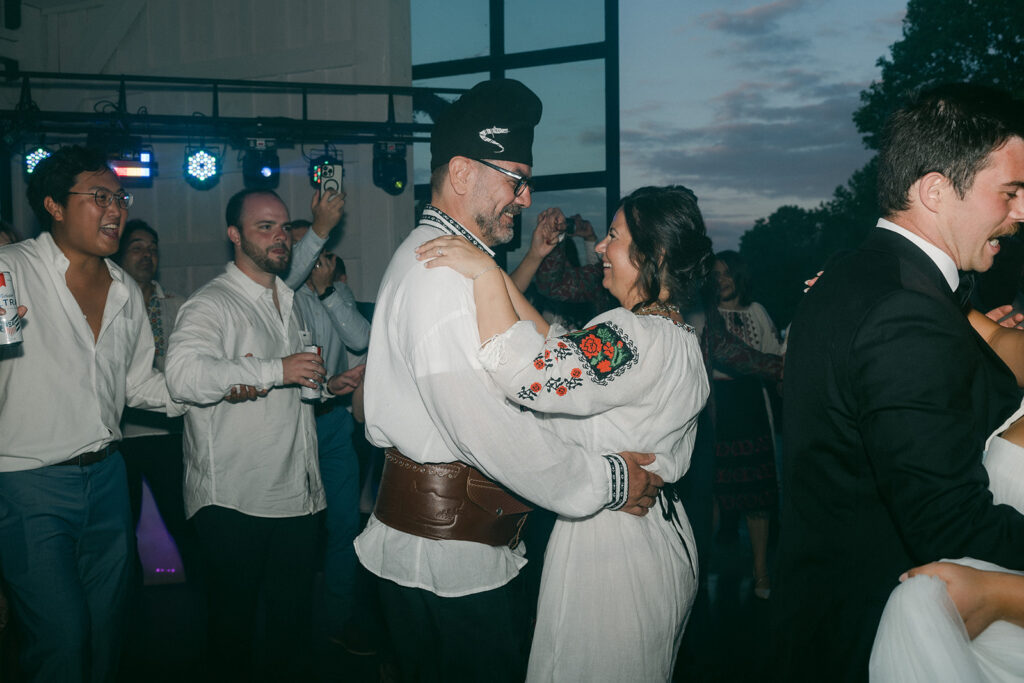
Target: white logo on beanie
493 131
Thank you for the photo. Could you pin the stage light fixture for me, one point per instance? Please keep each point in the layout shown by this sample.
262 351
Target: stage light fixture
33 158
261 169
134 167
389 168
202 167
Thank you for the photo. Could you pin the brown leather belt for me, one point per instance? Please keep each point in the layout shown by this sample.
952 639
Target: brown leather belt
83 459
447 501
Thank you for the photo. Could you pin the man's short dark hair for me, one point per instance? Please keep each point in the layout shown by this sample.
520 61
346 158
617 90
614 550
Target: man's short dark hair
950 129
437 178
55 175
233 214
300 223
130 227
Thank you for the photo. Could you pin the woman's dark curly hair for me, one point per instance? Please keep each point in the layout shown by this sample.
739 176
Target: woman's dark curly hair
670 246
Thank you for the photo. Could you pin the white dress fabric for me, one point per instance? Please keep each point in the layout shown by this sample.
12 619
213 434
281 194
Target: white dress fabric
616 589
921 637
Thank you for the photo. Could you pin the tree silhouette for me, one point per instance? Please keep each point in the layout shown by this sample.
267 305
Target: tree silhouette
944 41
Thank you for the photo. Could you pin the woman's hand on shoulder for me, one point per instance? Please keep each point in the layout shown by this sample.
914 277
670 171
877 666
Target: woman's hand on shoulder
456 253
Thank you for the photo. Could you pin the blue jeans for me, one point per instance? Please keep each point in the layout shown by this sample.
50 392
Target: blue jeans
66 549
339 470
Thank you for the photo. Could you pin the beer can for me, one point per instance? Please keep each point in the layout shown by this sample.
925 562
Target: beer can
10 322
309 393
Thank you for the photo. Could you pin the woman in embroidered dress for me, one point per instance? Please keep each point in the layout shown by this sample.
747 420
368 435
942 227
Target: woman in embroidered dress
616 588
745 481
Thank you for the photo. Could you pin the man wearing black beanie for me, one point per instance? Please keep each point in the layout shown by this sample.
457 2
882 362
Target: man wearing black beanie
444 534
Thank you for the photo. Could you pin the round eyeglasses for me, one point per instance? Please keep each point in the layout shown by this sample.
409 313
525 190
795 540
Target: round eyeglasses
104 197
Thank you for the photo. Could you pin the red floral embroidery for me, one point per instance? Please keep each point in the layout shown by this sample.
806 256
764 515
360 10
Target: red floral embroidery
547 354
576 372
609 350
539 364
561 391
604 366
590 346
562 345
536 387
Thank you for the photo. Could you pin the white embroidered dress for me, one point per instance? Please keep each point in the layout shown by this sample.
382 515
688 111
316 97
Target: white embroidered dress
616 588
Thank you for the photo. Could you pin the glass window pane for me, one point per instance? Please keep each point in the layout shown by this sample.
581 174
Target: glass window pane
421 150
588 203
443 30
540 24
571 135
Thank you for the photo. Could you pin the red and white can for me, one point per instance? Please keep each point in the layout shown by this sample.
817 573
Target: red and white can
10 322
309 393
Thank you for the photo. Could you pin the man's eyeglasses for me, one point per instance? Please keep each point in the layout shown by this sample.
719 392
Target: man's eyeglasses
522 182
104 197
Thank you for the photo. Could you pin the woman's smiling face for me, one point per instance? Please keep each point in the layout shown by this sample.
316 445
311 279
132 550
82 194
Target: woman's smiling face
620 273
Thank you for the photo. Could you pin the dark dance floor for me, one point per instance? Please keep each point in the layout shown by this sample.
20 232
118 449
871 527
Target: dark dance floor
727 636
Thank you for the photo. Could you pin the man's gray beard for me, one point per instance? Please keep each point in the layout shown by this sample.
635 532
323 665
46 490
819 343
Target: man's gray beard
263 261
491 229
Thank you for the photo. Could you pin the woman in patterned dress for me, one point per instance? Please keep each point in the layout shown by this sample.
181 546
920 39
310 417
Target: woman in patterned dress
616 588
745 481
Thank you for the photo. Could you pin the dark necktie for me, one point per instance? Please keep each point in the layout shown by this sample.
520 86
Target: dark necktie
963 291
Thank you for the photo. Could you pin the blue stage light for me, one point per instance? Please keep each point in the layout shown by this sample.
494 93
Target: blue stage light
202 168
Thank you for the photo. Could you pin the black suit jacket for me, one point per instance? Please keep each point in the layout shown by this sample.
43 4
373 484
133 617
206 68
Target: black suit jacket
889 396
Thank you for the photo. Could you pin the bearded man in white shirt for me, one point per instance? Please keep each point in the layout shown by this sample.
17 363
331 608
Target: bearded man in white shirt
444 537
252 485
66 533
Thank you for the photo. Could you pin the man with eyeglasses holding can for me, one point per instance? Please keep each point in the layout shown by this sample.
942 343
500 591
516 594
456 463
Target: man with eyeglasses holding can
66 533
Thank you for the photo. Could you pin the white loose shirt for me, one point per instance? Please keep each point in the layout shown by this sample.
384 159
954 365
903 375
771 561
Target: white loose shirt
62 392
428 396
256 457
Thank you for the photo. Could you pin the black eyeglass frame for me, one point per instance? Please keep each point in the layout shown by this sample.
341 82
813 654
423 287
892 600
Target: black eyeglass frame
124 200
522 181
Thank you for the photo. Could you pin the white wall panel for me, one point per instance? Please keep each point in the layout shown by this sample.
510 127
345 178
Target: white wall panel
320 41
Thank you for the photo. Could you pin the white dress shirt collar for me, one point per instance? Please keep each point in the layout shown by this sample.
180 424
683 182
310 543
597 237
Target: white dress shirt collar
940 258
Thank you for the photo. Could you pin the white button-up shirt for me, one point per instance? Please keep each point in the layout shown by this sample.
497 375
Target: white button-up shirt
62 392
256 457
428 396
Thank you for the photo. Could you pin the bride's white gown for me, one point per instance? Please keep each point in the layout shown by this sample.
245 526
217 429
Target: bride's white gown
921 637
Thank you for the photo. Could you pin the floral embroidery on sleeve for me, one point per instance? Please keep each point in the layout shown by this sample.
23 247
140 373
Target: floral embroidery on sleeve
604 351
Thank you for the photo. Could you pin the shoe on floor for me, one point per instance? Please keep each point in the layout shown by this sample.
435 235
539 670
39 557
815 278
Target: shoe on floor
763 588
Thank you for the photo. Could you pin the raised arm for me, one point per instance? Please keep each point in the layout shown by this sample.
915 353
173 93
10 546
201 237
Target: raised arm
550 225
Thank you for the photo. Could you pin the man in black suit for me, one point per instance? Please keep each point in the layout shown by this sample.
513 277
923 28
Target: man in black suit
889 392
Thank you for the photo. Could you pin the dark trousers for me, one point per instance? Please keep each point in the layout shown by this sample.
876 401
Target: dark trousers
249 559
339 471
158 459
65 547
479 637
